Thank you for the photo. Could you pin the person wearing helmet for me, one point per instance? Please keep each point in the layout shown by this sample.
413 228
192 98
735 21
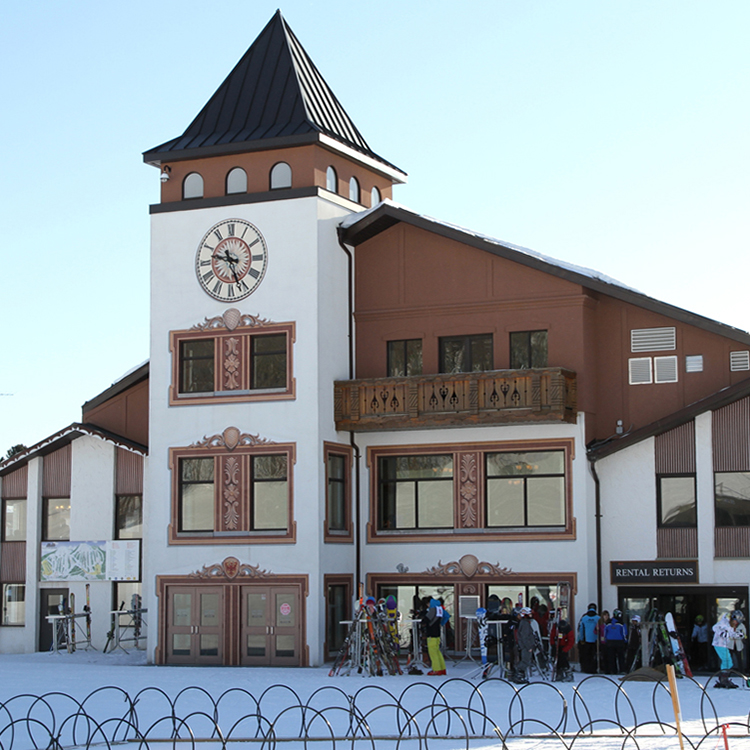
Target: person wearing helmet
587 637
525 643
737 644
615 641
632 659
699 640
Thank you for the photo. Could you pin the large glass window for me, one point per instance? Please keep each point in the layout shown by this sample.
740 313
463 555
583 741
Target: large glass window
197 494
197 366
404 358
129 517
14 604
270 493
528 349
56 519
14 520
416 492
268 368
676 500
466 353
525 489
732 494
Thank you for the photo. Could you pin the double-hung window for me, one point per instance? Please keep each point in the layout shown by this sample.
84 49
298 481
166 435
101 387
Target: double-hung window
338 520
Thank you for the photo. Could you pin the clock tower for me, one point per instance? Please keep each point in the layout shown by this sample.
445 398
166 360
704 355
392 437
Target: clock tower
249 516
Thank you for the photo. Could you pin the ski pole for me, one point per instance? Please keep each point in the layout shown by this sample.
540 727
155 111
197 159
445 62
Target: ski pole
724 732
675 701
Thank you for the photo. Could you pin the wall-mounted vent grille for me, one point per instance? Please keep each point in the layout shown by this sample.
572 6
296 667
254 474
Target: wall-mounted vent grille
653 339
640 370
739 360
665 369
694 363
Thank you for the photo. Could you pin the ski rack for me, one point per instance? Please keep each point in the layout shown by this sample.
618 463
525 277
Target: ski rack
136 623
469 623
66 632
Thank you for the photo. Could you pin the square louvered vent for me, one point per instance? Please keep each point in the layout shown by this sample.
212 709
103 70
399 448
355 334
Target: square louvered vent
694 363
665 369
639 370
739 360
653 339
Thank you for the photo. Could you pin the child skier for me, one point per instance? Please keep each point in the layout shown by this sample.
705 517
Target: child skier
563 639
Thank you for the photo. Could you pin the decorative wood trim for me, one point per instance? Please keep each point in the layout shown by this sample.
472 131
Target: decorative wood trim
232 452
480 532
346 536
468 566
468 516
232 333
231 568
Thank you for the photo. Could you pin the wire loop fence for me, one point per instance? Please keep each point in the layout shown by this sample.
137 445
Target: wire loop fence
456 713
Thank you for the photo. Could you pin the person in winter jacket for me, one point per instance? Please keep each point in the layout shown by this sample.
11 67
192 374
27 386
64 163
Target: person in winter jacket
723 632
737 644
634 643
699 638
563 640
432 622
525 643
601 654
587 638
615 643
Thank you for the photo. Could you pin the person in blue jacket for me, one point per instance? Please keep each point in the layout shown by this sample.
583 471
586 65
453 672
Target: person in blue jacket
615 644
587 638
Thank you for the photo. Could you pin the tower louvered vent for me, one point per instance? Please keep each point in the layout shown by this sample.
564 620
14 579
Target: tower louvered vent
665 369
639 370
694 363
739 361
653 339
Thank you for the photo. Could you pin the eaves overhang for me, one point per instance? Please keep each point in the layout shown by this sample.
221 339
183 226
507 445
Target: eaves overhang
63 437
127 381
715 401
354 231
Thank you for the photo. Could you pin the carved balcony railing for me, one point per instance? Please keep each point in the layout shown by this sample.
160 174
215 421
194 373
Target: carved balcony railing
470 398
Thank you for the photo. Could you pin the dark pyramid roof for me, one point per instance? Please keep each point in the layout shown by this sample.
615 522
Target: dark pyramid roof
275 96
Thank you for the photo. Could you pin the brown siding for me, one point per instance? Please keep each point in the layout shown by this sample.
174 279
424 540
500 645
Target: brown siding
732 541
56 470
125 414
129 476
675 454
13 562
731 436
15 484
677 543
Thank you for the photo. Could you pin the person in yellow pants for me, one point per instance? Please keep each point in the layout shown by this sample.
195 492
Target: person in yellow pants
432 622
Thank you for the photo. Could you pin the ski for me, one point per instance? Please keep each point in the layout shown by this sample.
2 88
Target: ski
482 628
676 643
72 624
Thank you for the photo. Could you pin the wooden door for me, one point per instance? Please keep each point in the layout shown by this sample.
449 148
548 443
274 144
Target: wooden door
195 625
271 626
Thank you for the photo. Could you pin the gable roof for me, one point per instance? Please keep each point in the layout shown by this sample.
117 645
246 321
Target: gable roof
274 97
360 227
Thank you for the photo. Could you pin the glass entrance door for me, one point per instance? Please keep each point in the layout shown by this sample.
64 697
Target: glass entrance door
271 627
195 629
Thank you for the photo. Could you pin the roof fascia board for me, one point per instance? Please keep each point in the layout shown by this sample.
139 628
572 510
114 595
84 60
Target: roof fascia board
236 200
383 167
357 233
118 387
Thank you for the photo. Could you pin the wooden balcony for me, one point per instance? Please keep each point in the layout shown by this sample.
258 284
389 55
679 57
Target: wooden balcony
471 398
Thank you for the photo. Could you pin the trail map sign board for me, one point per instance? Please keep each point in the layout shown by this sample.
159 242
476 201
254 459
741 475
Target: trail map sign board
116 560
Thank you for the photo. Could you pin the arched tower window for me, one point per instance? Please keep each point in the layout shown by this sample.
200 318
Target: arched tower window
375 197
236 181
354 190
281 176
192 187
332 180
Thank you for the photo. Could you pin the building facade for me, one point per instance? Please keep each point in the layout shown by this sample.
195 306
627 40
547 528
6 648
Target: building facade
341 391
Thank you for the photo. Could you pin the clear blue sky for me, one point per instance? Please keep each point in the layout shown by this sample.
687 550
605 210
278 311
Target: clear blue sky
612 135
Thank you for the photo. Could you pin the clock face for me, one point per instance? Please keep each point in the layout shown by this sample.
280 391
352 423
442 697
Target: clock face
231 260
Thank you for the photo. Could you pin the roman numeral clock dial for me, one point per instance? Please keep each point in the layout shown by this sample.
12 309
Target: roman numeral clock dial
231 260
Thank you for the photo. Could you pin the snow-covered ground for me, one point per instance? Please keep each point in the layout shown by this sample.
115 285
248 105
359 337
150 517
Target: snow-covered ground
453 705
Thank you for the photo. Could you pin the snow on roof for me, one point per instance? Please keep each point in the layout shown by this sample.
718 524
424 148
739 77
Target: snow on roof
591 273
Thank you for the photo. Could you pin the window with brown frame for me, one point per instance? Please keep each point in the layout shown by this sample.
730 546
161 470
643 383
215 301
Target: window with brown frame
220 495
503 491
338 520
249 363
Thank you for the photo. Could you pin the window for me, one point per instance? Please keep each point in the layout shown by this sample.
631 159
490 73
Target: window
528 349
14 520
332 180
354 190
56 519
197 366
739 361
404 358
416 492
222 495
236 181
14 604
466 353
192 187
338 607
675 497
281 176
732 494
129 517
268 366
338 461
253 364
375 197
525 489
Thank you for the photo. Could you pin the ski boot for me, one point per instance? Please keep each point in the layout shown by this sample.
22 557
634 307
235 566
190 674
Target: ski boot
724 681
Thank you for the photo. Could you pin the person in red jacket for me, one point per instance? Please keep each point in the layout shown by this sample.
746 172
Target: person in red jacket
563 638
